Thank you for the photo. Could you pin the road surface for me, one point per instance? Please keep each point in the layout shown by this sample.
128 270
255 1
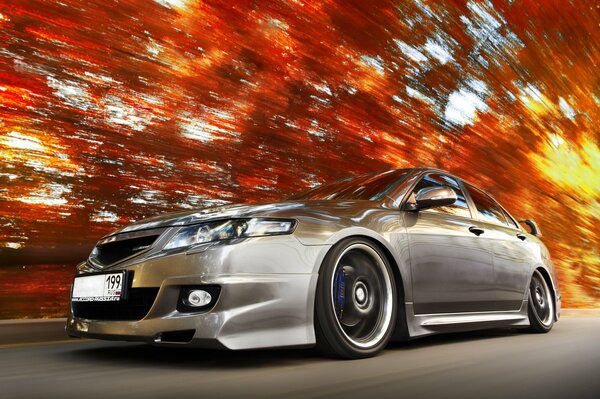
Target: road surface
490 364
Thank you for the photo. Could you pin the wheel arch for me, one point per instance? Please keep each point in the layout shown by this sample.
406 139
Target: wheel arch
400 329
546 275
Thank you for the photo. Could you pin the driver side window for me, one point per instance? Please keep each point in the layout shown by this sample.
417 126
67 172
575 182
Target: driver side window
459 208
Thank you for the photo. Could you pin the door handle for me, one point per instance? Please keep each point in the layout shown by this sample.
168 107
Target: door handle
476 230
521 236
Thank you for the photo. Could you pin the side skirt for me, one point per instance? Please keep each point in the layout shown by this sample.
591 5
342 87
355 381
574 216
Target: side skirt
427 324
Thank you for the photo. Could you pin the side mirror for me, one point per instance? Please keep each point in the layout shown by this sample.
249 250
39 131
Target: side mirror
432 197
533 227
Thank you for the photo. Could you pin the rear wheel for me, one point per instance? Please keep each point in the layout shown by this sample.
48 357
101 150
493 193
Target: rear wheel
355 309
540 307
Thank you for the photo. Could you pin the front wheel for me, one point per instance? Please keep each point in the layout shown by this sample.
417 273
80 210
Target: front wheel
355 309
540 307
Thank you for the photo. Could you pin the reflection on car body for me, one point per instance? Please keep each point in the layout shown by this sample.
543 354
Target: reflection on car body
347 266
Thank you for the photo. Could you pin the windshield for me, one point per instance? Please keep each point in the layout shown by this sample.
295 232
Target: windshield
373 186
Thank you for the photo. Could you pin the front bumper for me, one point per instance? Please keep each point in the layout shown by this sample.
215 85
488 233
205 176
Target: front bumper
266 299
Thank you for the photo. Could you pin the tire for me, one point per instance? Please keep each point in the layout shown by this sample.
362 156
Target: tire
540 306
356 300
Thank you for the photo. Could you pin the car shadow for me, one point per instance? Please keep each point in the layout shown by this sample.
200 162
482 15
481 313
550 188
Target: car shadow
142 355
452 338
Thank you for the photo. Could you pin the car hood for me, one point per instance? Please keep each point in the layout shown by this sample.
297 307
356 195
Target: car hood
280 209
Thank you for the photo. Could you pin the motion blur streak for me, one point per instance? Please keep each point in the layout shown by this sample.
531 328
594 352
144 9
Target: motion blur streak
115 110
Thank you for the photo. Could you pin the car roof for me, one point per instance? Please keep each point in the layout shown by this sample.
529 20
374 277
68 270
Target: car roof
437 170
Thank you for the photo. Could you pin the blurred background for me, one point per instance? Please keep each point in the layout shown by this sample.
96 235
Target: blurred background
115 110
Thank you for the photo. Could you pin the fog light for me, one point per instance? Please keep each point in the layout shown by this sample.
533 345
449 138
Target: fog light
198 298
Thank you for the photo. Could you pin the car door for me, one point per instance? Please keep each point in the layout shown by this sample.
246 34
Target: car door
511 256
451 266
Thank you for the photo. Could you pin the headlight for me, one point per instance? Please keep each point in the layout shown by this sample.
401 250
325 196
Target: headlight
230 229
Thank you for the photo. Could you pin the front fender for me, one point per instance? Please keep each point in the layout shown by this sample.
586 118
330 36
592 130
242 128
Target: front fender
395 246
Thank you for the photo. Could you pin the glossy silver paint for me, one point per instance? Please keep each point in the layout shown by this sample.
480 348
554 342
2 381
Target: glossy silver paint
449 275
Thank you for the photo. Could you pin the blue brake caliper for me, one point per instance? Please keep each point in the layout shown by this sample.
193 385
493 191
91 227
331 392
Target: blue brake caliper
339 290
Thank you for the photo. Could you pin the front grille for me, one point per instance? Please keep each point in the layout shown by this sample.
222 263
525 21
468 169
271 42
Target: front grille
135 307
114 251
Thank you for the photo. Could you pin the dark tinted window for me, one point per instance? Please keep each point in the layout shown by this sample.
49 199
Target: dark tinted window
487 209
459 208
372 186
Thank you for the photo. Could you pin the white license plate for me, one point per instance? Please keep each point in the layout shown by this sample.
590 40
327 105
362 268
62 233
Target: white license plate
99 287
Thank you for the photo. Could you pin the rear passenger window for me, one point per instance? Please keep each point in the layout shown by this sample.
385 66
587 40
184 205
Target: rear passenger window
459 208
487 209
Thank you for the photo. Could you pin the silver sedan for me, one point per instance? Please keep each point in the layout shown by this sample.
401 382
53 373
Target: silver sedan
346 266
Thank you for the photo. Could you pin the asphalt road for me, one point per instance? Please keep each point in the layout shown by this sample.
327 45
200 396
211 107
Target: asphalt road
490 364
